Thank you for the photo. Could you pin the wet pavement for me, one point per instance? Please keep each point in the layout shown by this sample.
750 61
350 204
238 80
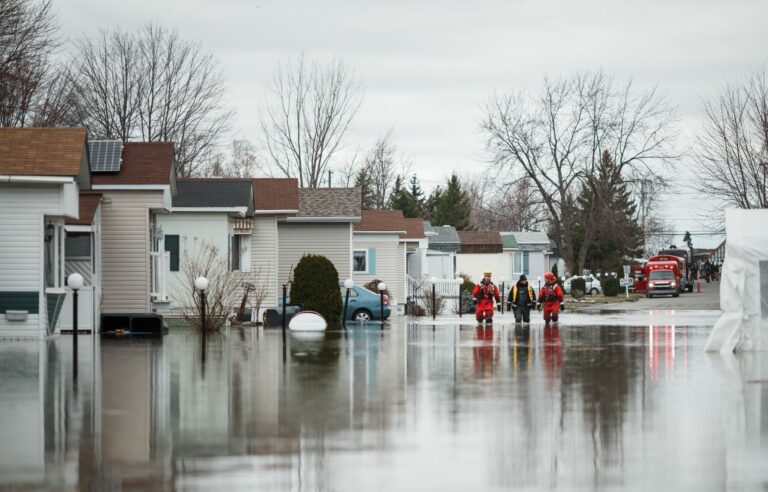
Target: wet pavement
413 407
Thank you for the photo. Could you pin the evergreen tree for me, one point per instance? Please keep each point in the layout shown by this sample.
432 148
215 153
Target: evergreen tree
365 183
607 203
450 206
688 240
410 200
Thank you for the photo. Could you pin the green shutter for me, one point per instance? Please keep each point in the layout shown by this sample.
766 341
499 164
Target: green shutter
372 261
172 246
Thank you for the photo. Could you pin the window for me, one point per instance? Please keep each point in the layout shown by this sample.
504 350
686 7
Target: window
661 275
172 247
360 261
240 253
54 255
517 263
77 246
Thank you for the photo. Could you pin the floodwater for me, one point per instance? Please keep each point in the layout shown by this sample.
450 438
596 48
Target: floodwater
406 408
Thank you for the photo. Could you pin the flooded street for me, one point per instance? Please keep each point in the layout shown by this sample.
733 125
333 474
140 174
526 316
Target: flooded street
406 408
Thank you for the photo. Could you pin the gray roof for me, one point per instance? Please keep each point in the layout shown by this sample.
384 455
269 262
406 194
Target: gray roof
445 235
329 202
213 192
428 229
533 237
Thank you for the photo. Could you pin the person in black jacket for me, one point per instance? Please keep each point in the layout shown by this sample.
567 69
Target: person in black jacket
521 300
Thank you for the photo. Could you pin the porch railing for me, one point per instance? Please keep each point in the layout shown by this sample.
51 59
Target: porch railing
447 288
161 268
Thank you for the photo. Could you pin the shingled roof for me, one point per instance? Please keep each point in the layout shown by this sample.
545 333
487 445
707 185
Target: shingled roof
89 202
276 194
381 221
41 151
144 163
480 242
414 229
329 202
213 192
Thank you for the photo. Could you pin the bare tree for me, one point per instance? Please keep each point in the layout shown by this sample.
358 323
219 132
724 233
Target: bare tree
28 38
203 258
504 207
556 138
380 163
240 160
312 109
255 287
152 86
732 148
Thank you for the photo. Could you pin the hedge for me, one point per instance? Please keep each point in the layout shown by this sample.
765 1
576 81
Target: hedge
611 287
316 287
578 284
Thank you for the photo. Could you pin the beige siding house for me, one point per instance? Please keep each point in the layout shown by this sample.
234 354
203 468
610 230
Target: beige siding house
322 226
134 192
378 253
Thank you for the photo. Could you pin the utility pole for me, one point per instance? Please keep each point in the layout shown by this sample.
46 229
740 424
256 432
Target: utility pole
329 177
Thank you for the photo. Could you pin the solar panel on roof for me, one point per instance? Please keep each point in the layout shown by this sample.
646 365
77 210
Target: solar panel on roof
105 155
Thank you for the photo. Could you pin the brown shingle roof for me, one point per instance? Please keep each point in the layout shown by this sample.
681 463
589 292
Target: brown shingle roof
89 202
329 202
480 242
275 194
414 228
41 151
143 163
381 221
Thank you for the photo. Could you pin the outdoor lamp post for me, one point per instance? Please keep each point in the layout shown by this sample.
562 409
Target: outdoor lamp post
538 279
201 284
75 282
503 284
348 284
382 287
460 282
433 281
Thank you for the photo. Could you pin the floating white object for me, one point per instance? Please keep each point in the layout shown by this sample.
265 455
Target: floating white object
307 321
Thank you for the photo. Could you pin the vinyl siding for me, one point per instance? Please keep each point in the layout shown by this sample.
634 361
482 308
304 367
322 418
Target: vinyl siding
388 261
194 230
125 250
264 255
22 210
402 298
329 240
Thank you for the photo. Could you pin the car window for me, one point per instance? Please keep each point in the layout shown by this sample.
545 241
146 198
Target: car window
661 275
352 292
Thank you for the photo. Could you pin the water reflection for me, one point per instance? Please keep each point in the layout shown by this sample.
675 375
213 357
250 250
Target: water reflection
403 408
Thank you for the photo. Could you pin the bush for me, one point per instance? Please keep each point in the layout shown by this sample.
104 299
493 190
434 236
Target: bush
578 287
316 287
611 287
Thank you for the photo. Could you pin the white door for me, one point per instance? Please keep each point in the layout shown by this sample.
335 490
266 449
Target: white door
85 310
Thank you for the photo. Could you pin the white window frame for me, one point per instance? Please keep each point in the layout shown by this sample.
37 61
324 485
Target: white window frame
364 251
243 252
517 269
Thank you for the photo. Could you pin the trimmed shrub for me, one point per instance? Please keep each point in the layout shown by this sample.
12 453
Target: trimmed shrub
611 287
316 287
578 287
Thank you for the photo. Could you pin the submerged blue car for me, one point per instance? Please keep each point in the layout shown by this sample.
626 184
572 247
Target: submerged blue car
364 305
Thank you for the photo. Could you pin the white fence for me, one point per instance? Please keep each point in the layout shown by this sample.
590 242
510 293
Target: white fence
447 288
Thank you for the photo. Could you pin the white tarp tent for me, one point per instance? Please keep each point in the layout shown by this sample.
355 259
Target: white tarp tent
743 324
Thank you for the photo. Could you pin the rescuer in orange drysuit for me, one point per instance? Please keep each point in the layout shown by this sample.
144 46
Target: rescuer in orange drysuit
483 296
550 296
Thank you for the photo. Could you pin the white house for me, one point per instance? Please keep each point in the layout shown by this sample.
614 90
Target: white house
42 171
443 245
530 254
206 215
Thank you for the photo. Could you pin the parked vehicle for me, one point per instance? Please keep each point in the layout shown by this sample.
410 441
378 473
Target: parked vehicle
594 286
686 271
364 305
663 278
686 283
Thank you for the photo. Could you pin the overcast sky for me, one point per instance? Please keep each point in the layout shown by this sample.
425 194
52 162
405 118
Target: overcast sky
428 66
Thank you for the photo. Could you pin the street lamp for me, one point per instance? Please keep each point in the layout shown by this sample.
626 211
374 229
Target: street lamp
460 282
201 284
348 284
538 279
503 284
382 287
433 281
75 282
